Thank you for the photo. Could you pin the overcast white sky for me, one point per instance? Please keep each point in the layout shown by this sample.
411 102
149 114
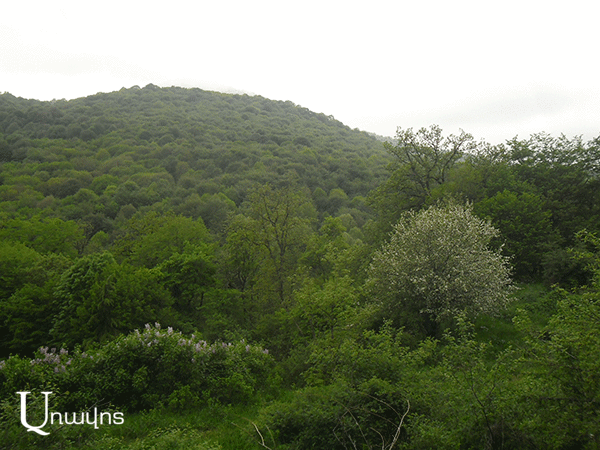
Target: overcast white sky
494 69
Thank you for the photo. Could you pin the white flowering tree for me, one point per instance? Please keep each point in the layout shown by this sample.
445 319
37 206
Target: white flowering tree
438 263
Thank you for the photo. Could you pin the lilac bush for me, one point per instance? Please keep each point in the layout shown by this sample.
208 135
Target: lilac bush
145 369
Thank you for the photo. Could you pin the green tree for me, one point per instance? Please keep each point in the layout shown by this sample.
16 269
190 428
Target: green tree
28 313
525 228
565 172
322 310
45 235
214 210
148 240
560 364
337 198
240 258
98 299
437 264
325 249
280 221
421 166
424 159
188 276
16 263
484 173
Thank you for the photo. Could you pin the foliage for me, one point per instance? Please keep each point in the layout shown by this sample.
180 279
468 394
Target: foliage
151 239
143 370
44 235
336 417
427 157
563 171
525 229
438 263
370 392
233 217
16 262
329 308
420 167
27 313
171 143
97 299
190 279
561 370
280 224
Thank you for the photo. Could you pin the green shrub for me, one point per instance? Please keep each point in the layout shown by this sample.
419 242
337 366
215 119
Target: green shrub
339 416
143 370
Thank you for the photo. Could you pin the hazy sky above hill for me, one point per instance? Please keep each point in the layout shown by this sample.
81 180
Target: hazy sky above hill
494 69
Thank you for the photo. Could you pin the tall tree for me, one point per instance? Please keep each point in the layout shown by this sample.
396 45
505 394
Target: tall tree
28 312
97 299
280 221
421 164
148 240
566 173
525 226
425 158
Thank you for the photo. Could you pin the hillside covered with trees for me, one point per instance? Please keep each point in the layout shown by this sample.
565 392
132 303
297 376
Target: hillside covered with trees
235 272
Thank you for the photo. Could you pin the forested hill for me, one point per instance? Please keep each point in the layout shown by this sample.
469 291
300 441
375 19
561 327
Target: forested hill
157 143
240 228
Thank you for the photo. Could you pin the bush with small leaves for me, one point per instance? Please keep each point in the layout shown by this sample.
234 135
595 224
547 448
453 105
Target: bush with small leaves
437 264
144 370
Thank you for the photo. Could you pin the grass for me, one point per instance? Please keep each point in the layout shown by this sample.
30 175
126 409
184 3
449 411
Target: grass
209 428
535 299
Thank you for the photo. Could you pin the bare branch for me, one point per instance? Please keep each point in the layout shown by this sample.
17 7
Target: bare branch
262 440
397 435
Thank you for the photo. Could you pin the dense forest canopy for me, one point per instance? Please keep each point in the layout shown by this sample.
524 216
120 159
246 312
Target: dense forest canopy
182 138
429 291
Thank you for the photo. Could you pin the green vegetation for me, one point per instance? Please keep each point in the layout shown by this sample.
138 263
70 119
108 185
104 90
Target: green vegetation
436 264
231 272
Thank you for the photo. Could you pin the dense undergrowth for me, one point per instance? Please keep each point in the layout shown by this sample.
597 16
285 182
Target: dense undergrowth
307 297
496 383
